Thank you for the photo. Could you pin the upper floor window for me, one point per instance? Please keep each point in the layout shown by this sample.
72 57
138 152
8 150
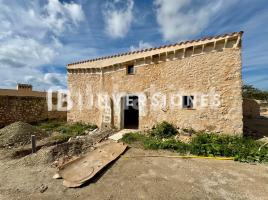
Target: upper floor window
130 69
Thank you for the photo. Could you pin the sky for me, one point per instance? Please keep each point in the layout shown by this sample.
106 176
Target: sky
38 38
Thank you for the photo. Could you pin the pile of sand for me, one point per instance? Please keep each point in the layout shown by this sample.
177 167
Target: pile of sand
19 133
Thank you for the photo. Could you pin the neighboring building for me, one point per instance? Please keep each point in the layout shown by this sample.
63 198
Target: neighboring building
26 105
195 73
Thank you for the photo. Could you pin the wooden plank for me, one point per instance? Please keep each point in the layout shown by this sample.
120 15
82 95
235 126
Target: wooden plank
83 169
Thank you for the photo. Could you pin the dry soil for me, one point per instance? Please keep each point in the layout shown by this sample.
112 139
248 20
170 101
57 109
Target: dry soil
140 178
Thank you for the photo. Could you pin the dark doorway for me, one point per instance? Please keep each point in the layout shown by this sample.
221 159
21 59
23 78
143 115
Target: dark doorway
131 112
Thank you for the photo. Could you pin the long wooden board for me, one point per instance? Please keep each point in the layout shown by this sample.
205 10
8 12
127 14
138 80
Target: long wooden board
83 169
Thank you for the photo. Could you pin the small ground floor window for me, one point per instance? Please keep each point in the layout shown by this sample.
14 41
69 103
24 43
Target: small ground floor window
188 101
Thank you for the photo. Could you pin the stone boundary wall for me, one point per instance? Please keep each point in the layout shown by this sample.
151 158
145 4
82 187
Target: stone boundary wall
263 108
251 108
22 93
30 108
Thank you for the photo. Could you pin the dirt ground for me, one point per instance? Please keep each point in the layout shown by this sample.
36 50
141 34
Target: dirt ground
140 178
259 126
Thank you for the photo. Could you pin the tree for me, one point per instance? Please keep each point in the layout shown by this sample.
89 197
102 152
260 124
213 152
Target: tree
251 92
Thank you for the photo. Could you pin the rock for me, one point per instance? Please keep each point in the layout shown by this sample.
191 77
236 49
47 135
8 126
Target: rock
182 132
43 188
92 148
55 163
183 138
56 176
79 137
187 132
264 139
93 131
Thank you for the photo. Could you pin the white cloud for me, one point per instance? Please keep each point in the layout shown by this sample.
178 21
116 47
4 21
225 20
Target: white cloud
141 45
34 19
40 81
49 81
52 80
30 38
27 51
58 15
179 19
75 11
118 18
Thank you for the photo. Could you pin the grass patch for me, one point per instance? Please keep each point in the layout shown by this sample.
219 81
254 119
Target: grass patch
133 137
75 129
67 130
50 125
206 144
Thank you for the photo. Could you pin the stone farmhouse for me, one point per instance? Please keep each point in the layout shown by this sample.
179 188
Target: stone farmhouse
178 83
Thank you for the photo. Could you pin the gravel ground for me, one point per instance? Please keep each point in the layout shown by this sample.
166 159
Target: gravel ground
141 178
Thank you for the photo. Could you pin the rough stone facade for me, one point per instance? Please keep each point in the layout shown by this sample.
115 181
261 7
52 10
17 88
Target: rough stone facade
206 66
27 106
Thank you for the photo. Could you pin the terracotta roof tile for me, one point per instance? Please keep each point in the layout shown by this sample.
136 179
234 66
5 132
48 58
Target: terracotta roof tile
150 49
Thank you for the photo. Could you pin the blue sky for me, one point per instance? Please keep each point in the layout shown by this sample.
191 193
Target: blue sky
39 37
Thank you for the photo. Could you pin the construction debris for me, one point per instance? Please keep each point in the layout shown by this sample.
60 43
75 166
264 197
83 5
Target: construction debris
43 188
79 171
118 136
56 176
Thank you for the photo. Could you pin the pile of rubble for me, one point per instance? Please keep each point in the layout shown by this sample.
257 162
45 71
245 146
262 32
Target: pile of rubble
56 153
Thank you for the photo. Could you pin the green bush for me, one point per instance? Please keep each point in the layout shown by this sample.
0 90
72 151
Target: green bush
253 93
169 144
150 142
243 149
205 144
163 130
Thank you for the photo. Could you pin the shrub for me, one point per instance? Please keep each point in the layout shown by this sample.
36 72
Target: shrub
222 145
163 130
205 144
169 144
253 93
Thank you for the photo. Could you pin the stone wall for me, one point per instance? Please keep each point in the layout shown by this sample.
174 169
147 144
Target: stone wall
251 108
263 108
209 72
26 108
